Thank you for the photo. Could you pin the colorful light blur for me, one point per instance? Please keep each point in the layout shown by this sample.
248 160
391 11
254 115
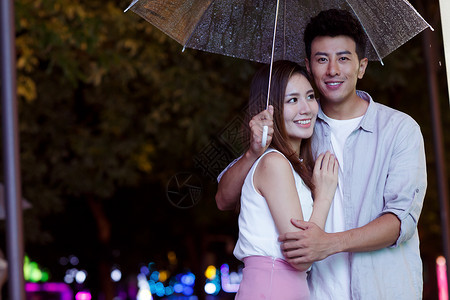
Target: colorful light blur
230 282
74 260
441 272
172 258
144 295
51 287
73 274
188 279
210 272
159 283
163 275
32 272
212 286
116 275
154 276
80 276
83 295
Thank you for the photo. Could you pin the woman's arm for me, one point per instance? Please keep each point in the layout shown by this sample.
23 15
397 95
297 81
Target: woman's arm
274 180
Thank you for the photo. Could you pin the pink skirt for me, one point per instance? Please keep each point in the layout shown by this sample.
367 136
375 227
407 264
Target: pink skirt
268 278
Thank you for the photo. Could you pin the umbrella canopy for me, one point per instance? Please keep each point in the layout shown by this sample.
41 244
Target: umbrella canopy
245 28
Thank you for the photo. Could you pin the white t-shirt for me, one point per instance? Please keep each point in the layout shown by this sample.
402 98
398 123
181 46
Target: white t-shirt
334 271
258 234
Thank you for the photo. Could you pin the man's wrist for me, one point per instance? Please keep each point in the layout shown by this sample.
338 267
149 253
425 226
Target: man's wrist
337 242
251 156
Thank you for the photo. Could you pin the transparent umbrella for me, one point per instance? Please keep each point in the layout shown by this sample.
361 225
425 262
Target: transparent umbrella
268 30
245 28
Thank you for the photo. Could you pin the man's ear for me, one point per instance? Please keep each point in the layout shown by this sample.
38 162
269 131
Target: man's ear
308 67
362 67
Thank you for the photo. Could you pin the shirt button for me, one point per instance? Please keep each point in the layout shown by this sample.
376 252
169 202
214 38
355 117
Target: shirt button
417 190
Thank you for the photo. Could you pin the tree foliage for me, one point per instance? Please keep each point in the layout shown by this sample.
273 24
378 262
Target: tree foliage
104 94
108 102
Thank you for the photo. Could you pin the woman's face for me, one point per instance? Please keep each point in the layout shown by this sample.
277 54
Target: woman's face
300 109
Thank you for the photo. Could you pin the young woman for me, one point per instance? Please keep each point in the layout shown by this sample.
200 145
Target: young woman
281 185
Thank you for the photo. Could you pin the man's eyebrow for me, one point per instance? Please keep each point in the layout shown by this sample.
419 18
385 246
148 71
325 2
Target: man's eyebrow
338 53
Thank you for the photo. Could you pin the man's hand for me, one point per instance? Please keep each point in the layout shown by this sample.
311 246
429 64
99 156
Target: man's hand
256 124
307 245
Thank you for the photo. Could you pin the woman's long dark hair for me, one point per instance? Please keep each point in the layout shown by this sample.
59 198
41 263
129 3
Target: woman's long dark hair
282 71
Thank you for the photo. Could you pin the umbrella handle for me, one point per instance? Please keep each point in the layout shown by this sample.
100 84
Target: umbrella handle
264 136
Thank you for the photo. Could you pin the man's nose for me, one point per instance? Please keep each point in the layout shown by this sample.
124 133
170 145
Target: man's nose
333 68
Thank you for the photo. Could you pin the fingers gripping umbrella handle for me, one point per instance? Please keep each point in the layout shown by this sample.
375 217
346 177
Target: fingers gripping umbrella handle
264 136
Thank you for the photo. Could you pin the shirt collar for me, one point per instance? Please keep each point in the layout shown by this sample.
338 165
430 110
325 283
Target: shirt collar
368 121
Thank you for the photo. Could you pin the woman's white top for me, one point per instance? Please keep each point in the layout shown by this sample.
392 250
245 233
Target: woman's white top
258 234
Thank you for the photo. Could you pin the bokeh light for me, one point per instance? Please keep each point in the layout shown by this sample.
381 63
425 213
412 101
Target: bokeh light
144 295
116 275
145 270
210 288
83 295
178 288
172 258
80 276
68 279
210 272
73 260
163 275
188 290
188 279
441 273
155 276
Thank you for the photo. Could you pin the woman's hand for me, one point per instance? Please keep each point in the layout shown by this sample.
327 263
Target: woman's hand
257 123
325 177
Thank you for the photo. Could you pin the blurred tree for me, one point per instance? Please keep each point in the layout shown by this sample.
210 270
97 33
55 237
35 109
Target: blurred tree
106 101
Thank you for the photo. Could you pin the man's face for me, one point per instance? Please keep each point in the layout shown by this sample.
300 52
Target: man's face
335 67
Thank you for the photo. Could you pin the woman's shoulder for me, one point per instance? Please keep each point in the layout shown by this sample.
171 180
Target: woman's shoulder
273 162
274 174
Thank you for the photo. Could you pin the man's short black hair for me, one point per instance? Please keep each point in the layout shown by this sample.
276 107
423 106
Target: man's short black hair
335 22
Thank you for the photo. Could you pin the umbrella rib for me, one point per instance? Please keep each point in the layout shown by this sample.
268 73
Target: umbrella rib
284 31
196 25
131 5
368 36
419 15
271 56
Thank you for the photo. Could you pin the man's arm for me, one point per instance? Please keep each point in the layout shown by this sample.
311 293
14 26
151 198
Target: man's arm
230 184
403 197
313 244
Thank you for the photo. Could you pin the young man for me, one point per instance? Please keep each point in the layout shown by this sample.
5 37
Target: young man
370 246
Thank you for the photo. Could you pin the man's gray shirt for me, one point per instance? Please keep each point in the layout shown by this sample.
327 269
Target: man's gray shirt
385 172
